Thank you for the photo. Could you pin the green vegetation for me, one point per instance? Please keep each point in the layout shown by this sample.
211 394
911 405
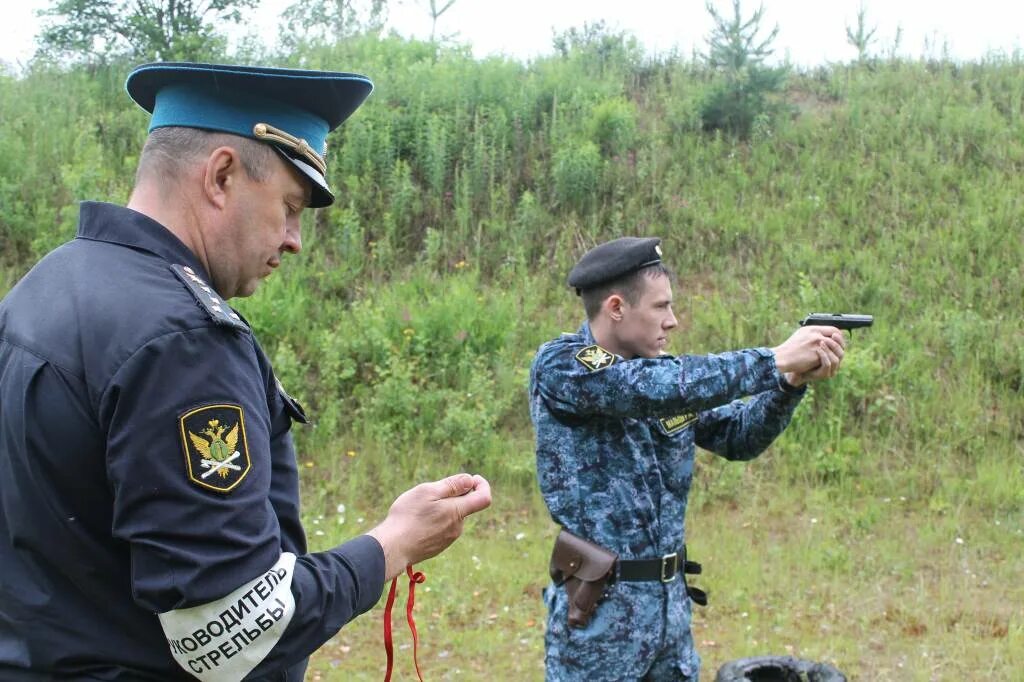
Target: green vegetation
883 532
167 30
745 90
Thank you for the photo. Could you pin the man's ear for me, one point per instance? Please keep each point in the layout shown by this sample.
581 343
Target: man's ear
220 175
613 307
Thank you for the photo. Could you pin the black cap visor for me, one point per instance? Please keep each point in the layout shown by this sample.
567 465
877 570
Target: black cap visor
320 194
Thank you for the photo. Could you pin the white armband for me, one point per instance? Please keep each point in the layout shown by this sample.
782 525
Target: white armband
225 639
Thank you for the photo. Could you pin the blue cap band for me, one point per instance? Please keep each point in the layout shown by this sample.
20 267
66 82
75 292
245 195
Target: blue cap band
192 105
297 105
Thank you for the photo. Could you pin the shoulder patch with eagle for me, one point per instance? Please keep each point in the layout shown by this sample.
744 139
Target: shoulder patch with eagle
594 358
216 451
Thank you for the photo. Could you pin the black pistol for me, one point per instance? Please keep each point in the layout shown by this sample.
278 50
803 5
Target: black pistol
840 320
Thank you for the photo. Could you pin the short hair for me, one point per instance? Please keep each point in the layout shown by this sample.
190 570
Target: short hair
168 151
630 287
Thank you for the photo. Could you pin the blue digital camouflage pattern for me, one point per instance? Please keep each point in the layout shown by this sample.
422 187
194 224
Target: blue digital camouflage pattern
615 455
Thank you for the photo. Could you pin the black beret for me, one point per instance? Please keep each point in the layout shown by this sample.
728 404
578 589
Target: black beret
612 260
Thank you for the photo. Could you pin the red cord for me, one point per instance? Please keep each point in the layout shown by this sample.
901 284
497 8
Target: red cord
387 629
414 578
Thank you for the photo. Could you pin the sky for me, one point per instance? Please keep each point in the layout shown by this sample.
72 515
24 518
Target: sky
811 32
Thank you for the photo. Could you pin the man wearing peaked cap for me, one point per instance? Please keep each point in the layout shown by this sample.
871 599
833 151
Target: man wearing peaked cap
617 422
291 110
149 512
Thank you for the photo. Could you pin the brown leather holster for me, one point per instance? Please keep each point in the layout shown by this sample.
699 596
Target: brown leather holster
584 568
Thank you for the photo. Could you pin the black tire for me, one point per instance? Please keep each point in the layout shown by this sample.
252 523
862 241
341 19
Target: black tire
777 669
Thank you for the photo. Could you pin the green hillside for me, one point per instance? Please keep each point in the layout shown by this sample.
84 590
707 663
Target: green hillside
883 532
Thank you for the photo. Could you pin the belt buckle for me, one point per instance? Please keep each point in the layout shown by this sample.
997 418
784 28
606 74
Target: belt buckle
666 561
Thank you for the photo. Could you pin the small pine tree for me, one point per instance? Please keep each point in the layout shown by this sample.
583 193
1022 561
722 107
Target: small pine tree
860 37
743 86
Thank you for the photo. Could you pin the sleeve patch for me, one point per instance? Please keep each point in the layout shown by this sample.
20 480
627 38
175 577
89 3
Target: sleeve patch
595 358
678 423
216 449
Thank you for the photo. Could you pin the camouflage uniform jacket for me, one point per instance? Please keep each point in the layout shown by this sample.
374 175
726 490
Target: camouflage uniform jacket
615 441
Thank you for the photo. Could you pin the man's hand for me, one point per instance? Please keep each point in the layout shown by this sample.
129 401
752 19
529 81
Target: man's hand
425 520
810 354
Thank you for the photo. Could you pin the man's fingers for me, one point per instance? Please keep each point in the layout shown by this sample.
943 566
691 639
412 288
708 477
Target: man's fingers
475 500
830 360
835 348
452 486
473 492
823 360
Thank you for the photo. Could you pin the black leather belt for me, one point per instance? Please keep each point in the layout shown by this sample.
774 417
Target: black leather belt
664 569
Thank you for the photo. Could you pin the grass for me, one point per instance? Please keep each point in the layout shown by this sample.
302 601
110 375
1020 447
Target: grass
479 613
880 580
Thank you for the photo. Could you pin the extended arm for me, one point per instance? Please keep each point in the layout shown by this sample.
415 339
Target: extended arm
742 430
566 378
649 387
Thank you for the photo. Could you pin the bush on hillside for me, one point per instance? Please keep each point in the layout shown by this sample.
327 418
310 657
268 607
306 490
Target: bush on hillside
743 90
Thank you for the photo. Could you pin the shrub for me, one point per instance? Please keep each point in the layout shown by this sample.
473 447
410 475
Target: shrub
743 87
575 171
613 126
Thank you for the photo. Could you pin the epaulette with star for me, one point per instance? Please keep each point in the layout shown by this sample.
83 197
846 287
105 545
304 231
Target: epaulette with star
214 305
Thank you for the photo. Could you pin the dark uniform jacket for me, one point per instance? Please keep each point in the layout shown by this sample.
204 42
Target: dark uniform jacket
146 467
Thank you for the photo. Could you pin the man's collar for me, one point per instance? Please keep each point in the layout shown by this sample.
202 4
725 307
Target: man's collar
104 222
